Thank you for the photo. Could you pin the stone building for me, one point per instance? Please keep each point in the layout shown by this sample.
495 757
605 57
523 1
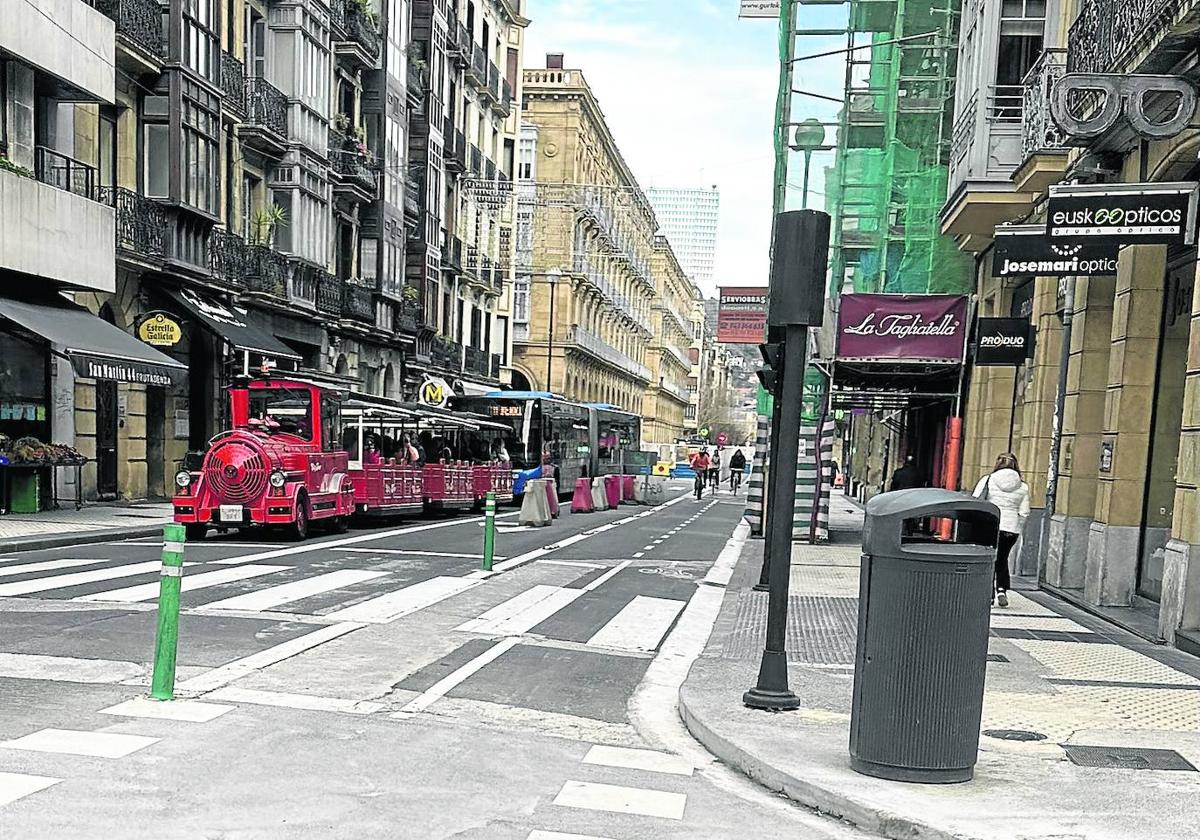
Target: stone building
585 240
666 399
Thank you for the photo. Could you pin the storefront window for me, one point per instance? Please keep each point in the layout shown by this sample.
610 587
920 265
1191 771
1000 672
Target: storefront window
24 403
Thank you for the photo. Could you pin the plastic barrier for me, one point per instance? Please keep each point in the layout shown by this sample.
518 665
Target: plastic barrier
552 496
627 488
612 488
535 509
639 489
656 490
581 501
599 495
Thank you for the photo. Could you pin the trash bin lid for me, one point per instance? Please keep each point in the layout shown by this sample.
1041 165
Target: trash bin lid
887 512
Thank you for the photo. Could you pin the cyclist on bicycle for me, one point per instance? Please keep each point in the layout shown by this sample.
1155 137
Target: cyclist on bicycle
737 466
700 465
714 472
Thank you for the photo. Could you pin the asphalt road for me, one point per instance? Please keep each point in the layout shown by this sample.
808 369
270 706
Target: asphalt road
378 683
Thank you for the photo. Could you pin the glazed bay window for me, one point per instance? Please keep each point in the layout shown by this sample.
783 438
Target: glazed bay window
201 156
156 146
201 42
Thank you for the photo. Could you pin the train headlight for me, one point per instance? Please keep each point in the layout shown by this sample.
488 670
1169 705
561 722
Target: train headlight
183 479
278 479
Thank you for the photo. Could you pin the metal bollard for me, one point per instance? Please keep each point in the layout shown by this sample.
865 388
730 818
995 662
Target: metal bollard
489 530
166 640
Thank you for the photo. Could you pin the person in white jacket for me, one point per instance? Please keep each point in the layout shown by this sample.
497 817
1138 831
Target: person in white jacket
1004 488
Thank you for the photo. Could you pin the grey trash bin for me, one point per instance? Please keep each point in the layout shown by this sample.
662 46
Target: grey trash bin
921 654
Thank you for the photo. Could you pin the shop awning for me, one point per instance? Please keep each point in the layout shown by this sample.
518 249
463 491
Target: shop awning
96 348
231 325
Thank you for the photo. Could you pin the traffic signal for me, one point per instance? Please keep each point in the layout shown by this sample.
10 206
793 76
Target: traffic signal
772 356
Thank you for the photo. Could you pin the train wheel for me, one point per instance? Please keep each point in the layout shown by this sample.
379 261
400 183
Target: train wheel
195 531
299 529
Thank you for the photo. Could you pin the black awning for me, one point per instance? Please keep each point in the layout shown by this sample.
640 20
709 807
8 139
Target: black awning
231 325
96 348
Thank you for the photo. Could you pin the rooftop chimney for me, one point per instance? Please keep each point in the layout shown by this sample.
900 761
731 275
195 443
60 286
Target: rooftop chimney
554 61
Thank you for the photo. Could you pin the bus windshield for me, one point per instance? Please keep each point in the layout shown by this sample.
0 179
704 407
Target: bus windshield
520 437
282 411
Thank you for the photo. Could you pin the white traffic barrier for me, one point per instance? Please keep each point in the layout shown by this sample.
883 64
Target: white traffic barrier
599 493
656 490
639 489
535 507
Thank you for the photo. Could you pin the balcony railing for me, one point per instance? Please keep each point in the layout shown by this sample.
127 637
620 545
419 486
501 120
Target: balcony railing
1107 33
506 97
597 347
227 257
460 46
233 83
1005 103
350 162
64 172
476 160
141 222
359 28
452 252
456 150
477 69
329 294
266 106
416 80
358 303
493 82
1039 132
678 391
412 196
479 362
446 354
141 21
266 271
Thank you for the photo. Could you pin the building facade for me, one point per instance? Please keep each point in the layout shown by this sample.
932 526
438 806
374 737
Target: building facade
667 397
585 243
1114 526
687 217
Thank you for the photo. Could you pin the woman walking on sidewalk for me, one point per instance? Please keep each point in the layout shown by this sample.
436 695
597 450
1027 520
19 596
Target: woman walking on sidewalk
1004 488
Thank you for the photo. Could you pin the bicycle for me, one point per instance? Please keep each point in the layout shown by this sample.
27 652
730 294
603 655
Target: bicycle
735 482
699 484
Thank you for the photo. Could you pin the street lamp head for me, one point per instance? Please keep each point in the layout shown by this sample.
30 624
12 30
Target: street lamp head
810 134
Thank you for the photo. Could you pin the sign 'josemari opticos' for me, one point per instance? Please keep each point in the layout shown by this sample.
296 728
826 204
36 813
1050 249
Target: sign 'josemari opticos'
910 328
1123 214
1026 251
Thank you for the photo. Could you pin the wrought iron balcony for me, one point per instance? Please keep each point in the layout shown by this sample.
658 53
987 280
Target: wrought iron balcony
409 317
479 362
492 91
64 172
412 196
141 21
227 257
360 30
460 50
141 223
358 303
266 106
1039 133
233 83
595 345
476 160
417 81
446 354
452 253
504 106
455 154
329 294
477 71
352 163
1107 34
266 272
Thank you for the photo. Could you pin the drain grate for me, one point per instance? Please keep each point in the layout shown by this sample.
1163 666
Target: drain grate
997 657
1127 758
1014 735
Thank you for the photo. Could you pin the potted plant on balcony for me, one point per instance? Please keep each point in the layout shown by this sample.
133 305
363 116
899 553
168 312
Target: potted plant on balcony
266 220
341 122
16 168
367 11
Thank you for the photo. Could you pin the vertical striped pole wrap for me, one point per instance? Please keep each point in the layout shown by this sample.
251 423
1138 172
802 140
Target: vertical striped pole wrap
166 640
755 495
816 454
489 530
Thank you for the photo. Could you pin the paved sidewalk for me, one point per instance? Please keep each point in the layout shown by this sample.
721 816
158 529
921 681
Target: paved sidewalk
95 523
1073 679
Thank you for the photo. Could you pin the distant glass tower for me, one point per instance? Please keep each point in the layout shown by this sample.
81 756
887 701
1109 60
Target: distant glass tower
687 216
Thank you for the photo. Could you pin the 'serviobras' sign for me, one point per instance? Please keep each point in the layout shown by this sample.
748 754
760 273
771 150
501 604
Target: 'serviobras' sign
1026 251
914 328
1123 214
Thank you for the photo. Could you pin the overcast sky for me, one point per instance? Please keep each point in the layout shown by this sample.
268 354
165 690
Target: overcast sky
688 90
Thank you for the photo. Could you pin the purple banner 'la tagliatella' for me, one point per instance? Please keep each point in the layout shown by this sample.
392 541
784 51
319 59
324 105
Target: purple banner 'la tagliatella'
902 327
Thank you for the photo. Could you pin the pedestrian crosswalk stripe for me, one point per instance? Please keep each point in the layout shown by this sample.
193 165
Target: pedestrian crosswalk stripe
49 566
558 835
523 612
651 760
189 711
80 742
447 684
288 700
146 591
623 800
14 786
639 626
24 587
284 593
404 601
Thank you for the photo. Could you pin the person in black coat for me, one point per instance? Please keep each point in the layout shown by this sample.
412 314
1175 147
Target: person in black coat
908 476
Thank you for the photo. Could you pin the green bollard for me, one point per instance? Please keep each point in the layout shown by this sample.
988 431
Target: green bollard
166 642
489 530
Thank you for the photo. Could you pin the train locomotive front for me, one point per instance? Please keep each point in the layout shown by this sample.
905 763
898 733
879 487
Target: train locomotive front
280 464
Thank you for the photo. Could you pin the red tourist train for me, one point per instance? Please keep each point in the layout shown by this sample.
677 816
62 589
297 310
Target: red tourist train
300 453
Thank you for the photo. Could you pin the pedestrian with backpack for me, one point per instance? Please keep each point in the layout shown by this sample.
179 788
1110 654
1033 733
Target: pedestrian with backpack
1005 488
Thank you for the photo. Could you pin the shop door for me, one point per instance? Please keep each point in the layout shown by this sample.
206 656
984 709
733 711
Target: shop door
106 439
156 422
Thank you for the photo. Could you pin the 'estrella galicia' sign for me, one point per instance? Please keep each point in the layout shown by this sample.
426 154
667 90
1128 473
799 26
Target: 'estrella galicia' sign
1026 251
1001 341
1123 214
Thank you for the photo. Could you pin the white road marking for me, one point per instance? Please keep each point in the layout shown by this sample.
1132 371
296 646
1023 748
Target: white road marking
80 742
239 668
189 583
652 760
639 554
309 547
415 553
32 666
49 565
578 563
402 602
523 612
297 701
648 547
284 593
14 786
623 800
607 576
558 835
24 587
443 686
192 545
640 625
190 711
